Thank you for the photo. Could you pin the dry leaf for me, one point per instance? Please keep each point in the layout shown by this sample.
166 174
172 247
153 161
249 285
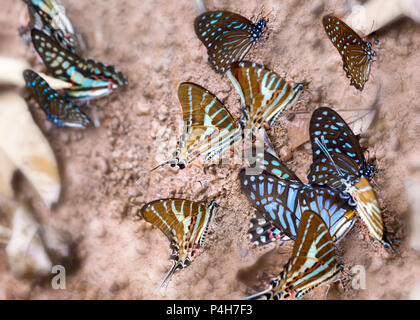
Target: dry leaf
298 130
7 168
25 145
25 250
11 71
54 83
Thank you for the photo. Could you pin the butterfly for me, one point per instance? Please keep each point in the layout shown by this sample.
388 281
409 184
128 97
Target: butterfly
90 79
313 261
227 36
49 17
357 55
209 128
59 111
338 161
262 231
185 223
282 202
263 92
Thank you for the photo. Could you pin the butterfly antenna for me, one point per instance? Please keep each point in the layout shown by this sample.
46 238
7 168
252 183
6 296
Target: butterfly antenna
324 149
168 277
259 295
162 164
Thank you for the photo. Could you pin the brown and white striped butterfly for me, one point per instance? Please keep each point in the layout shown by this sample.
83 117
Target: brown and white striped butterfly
263 92
227 36
357 55
313 261
338 161
209 128
185 223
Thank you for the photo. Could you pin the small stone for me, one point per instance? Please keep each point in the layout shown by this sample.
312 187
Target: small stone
285 153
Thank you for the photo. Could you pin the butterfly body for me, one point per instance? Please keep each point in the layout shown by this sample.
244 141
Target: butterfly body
90 79
338 161
313 261
263 92
227 36
356 54
185 224
59 111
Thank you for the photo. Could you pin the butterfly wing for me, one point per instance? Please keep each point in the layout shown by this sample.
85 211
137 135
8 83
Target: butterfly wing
89 78
58 111
266 161
324 172
54 22
327 127
356 54
262 232
264 93
282 201
369 209
208 125
313 261
185 224
277 200
227 36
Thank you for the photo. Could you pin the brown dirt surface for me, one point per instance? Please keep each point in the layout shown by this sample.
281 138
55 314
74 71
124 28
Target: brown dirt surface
105 170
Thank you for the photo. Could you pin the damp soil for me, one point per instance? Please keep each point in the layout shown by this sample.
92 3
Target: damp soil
106 170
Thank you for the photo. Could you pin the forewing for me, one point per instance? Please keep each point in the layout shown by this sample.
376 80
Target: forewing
58 110
264 93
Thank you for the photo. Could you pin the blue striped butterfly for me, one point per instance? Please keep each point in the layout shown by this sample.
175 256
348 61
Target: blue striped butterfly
227 36
90 79
313 261
185 223
357 55
338 161
282 202
49 17
263 92
209 128
59 111
262 231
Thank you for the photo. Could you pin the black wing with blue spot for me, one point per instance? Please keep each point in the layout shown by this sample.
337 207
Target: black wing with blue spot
336 151
281 202
48 16
227 36
270 163
357 55
59 111
262 232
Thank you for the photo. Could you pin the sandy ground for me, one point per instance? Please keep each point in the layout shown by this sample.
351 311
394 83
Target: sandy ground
106 169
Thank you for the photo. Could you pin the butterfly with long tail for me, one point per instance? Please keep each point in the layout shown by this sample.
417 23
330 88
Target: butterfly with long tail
90 79
227 36
209 128
262 231
314 261
49 17
338 161
356 54
185 223
282 202
263 92
59 111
